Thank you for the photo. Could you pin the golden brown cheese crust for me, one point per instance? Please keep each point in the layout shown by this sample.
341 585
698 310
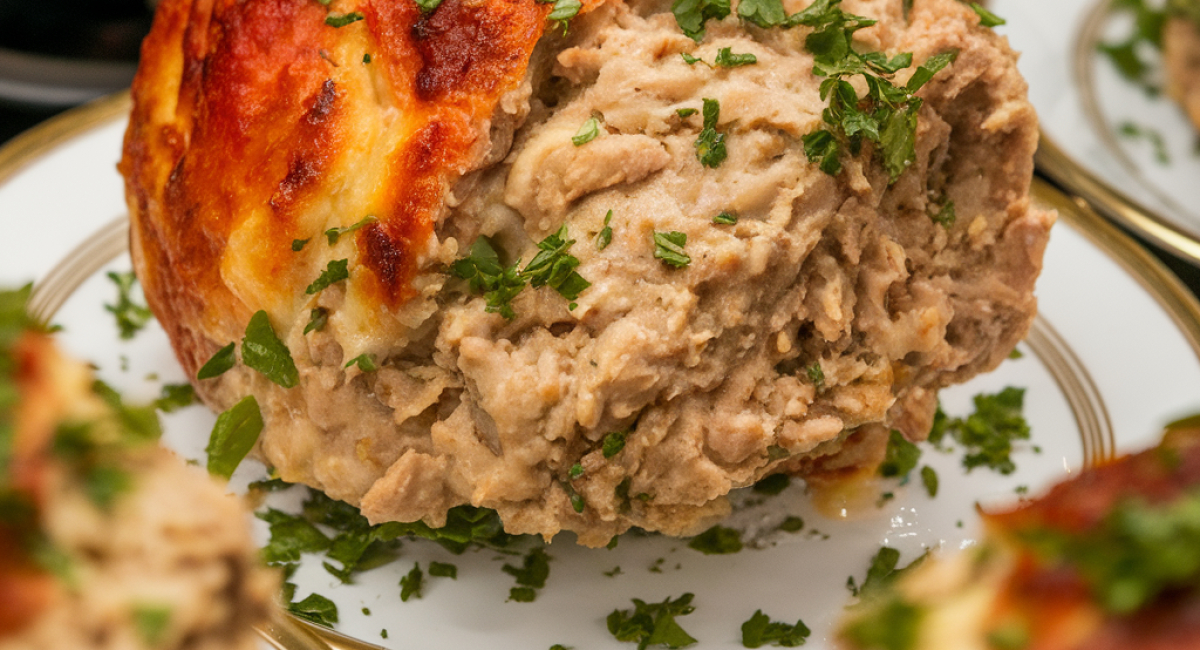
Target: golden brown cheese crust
248 118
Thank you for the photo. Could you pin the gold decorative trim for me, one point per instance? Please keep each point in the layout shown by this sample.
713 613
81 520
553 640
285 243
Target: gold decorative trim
1056 164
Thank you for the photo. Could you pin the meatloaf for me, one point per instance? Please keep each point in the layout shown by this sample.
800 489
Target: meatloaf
107 540
1109 559
593 268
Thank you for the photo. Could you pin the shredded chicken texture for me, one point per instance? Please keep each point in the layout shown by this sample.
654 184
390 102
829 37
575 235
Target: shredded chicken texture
833 310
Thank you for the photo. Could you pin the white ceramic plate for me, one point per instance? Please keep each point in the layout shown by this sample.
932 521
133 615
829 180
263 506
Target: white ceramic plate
1083 103
1116 355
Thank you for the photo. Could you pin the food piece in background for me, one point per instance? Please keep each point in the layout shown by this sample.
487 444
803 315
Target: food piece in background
1181 55
107 540
1107 559
475 290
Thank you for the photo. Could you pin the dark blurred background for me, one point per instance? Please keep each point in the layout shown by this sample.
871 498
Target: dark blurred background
55 54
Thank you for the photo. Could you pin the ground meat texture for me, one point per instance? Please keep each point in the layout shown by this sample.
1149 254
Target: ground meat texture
833 310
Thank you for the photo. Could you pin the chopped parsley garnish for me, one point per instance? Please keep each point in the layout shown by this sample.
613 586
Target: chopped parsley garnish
686 112
364 361
604 238
1131 55
886 116
531 575
945 215
263 351
554 267
764 13
589 131
152 623
725 219
929 479
411 583
691 15
498 284
131 317
816 375
727 59
988 433
690 60
668 247
428 5
717 540
773 484
299 244
317 319
219 363
233 436
760 630
335 19
576 471
1150 135
653 623
333 234
901 456
174 397
335 271
291 535
890 624
316 609
882 572
987 18
792 524
443 570
614 443
578 504
563 12
366 58
710 144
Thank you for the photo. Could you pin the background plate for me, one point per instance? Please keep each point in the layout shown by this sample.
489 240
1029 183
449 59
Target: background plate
1083 102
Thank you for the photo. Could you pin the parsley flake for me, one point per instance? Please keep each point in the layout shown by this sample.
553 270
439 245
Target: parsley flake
443 570
131 317
316 609
299 244
727 59
725 219
668 247
336 271
428 5
686 112
220 363
653 623
764 13
233 436
364 361
929 479
689 59
531 575
263 351
604 238
717 540
554 267
760 630
411 583
589 131
691 15
498 284
901 456
317 319
614 443
333 234
335 19
564 11
173 397
710 144
987 18
945 216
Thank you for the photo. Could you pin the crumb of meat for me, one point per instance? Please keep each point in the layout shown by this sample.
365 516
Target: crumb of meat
705 367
